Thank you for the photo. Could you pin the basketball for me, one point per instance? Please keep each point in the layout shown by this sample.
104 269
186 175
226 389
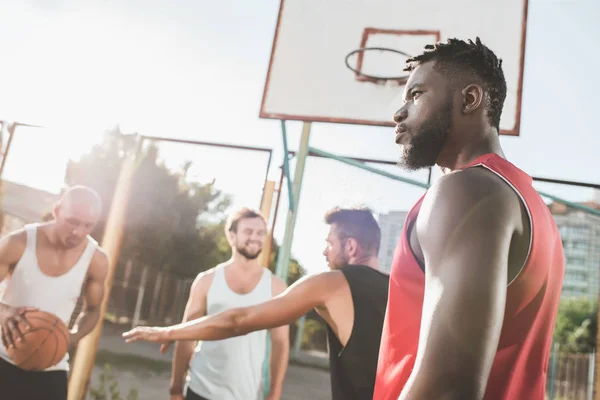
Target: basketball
43 345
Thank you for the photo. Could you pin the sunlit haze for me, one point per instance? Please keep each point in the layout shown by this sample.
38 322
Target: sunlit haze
196 70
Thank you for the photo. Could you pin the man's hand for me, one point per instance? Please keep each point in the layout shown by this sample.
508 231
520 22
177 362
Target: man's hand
149 334
13 324
176 397
274 396
73 340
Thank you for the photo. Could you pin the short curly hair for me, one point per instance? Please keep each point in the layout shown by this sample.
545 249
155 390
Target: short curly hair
467 60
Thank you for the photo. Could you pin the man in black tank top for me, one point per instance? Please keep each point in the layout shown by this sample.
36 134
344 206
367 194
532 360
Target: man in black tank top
351 298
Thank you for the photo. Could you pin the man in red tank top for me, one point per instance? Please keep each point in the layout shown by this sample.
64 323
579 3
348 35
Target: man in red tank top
477 274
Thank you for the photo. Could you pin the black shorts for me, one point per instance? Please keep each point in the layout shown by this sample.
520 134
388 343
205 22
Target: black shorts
17 384
193 396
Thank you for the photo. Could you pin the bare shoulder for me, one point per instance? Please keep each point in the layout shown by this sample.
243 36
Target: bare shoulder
465 203
328 281
476 181
205 278
12 246
99 265
278 285
462 191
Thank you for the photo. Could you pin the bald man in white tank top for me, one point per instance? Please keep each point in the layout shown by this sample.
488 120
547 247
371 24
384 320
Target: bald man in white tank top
232 369
47 266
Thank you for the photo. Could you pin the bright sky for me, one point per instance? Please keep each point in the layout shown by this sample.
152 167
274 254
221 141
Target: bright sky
196 70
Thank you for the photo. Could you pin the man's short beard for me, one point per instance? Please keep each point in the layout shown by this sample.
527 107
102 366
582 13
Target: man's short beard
247 255
426 145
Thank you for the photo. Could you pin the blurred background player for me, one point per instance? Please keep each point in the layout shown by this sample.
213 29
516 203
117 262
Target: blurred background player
232 369
47 266
351 298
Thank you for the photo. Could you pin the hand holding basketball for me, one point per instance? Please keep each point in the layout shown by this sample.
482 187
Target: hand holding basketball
13 324
43 345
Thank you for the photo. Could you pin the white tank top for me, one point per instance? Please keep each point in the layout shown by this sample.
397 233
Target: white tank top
28 286
231 369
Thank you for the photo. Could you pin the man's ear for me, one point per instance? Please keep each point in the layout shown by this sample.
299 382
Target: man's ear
352 247
472 96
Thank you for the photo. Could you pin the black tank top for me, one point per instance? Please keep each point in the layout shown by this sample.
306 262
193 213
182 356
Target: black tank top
353 367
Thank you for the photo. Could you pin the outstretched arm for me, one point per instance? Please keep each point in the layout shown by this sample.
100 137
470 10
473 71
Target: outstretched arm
465 228
93 293
297 300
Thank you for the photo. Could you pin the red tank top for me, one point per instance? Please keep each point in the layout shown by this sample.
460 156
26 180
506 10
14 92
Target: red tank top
519 368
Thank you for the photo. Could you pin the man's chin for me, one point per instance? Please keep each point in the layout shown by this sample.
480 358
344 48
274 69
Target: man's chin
411 162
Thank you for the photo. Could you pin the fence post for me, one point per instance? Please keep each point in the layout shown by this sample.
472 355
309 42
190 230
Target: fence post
140 298
553 371
155 297
590 391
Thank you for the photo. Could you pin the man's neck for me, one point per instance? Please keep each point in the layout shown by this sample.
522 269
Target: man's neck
460 154
371 262
241 262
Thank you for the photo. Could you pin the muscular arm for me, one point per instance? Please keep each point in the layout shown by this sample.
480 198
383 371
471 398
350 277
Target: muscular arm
304 295
464 228
12 320
93 293
280 348
12 247
195 308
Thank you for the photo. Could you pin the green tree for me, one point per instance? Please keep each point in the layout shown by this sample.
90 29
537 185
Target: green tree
164 226
295 270
576 325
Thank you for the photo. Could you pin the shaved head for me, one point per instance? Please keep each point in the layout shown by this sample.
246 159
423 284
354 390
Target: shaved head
76 214
82 197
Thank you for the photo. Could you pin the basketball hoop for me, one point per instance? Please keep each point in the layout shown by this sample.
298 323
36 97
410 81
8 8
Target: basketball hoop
361 76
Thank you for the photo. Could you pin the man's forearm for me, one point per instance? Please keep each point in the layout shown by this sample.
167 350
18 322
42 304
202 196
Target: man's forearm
86 321
220 326
181 361
280 352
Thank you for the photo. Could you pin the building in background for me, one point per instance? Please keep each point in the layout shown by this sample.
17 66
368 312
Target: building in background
391 226
580 233
23 205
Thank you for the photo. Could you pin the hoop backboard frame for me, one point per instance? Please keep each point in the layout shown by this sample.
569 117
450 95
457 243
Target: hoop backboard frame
516 56
369 32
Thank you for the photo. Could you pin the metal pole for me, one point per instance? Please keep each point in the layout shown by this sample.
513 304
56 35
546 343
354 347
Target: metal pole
265 210
298 338
286 166
360 165
111 243
590 387
277 201
283 258
552 376
11 134
426 186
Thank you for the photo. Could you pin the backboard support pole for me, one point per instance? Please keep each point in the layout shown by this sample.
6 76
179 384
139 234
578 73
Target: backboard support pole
283 258
286 166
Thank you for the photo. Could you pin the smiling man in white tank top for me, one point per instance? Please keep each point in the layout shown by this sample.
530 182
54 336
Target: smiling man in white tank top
232 369
47 267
